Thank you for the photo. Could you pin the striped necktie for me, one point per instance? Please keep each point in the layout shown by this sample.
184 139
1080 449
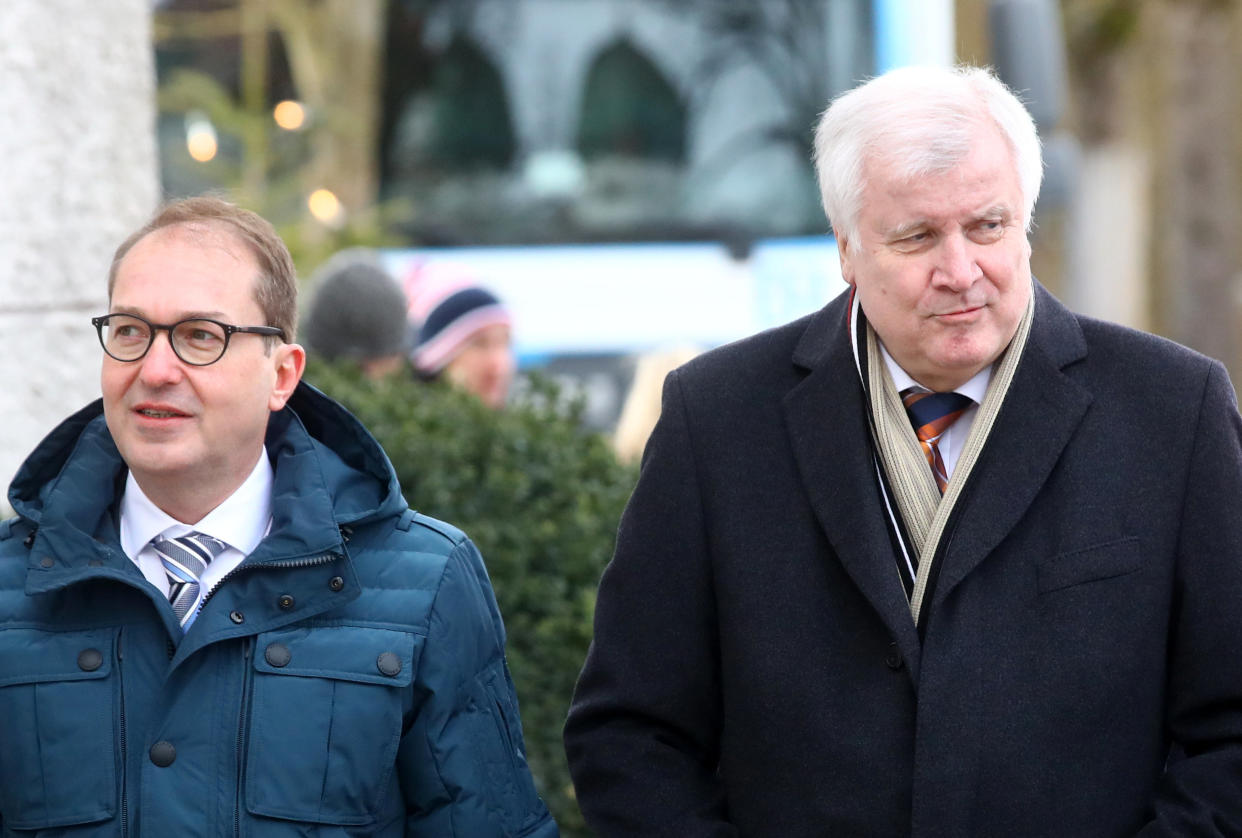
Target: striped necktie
184 559
931 414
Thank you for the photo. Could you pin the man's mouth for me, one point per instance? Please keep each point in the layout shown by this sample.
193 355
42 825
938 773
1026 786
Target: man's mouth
156 413
960 311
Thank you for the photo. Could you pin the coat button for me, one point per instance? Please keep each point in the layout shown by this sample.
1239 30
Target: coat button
47 561
237 617
336 583
163 753
285 602
388 664
278 655
89 660
893 660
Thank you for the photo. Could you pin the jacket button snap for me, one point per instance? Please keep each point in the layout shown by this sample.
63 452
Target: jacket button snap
237 617
46 561
893 660
285 602
388 664
336 583
163 753
278 655
89 660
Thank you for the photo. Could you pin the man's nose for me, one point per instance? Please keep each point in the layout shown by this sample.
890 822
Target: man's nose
161 365
957 268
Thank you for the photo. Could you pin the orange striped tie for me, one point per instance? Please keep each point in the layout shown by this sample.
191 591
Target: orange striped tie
931 414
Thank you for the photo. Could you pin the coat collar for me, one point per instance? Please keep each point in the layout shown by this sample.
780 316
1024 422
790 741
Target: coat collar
826 419
827 424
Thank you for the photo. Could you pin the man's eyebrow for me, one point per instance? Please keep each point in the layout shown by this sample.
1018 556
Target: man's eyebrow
996 211
188 315
906 228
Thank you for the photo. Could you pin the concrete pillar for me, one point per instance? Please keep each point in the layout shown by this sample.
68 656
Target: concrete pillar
79 173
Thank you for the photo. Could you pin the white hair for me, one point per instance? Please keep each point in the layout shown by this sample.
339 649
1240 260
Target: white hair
921 121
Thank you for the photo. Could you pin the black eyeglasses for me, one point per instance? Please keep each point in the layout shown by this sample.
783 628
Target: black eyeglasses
197 341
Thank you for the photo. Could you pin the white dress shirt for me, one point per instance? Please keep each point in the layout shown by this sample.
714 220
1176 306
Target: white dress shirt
954 438
241 522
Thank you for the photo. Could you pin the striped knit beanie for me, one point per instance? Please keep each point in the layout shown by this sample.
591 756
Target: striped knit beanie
447 308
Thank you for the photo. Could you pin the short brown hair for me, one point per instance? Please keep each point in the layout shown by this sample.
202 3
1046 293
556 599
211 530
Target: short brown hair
276 290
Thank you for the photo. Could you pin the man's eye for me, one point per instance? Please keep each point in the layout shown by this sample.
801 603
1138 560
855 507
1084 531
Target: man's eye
989 230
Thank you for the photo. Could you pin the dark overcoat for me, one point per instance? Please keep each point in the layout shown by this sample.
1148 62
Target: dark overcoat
756 670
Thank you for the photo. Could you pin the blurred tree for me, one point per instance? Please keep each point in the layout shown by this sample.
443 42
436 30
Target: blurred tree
1161 78
1197 120
328 55
335 49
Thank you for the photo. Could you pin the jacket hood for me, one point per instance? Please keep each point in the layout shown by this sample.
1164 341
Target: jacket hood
327 465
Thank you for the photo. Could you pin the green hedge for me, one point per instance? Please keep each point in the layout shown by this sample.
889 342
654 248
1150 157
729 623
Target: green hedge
540 497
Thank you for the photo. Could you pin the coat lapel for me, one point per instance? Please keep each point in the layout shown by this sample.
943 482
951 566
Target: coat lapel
828 430
1039 416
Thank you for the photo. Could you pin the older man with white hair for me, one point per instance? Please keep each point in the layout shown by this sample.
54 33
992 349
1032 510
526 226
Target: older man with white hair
940 559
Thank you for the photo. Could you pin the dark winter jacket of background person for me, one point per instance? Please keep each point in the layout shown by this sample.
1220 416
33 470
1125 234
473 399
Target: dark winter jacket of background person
347 679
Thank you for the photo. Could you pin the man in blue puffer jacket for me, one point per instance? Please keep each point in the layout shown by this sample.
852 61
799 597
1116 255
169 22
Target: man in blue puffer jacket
218 617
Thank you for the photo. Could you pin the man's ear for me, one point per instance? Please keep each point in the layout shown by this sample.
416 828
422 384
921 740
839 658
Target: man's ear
290 360
843 254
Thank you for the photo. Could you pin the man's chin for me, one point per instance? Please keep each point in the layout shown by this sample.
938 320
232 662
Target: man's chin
155 462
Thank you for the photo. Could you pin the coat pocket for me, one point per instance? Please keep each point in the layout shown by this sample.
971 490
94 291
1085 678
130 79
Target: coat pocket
1089 564
326 720
57 717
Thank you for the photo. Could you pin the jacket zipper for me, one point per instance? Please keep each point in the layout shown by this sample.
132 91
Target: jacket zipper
120 679
325 558
243 718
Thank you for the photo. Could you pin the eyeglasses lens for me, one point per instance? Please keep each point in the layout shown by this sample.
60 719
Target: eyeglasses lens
195 341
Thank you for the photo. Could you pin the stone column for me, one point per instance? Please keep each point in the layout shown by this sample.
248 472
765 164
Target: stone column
79 170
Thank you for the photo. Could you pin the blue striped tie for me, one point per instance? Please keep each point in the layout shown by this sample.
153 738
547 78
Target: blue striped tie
184 559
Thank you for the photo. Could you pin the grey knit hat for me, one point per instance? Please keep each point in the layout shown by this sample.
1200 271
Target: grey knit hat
357 311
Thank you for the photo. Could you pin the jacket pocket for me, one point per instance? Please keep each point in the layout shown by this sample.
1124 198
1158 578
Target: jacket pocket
1090 564
57 700
326 721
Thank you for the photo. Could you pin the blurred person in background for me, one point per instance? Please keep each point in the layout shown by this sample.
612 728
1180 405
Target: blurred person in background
641 409
358 313
941 559
218 615
463 333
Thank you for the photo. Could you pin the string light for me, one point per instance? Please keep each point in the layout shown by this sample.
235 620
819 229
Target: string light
289 115
200 137
326 207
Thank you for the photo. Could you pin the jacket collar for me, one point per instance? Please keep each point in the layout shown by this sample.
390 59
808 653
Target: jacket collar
329 472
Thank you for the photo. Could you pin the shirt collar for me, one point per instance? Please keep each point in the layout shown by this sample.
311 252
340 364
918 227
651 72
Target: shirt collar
240 521
974 389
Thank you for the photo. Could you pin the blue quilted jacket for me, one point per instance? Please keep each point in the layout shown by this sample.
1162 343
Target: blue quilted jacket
347 679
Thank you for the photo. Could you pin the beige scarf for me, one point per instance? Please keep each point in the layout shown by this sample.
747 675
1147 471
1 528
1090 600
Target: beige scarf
921 507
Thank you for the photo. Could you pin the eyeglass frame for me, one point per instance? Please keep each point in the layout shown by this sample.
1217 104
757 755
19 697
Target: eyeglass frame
229 330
